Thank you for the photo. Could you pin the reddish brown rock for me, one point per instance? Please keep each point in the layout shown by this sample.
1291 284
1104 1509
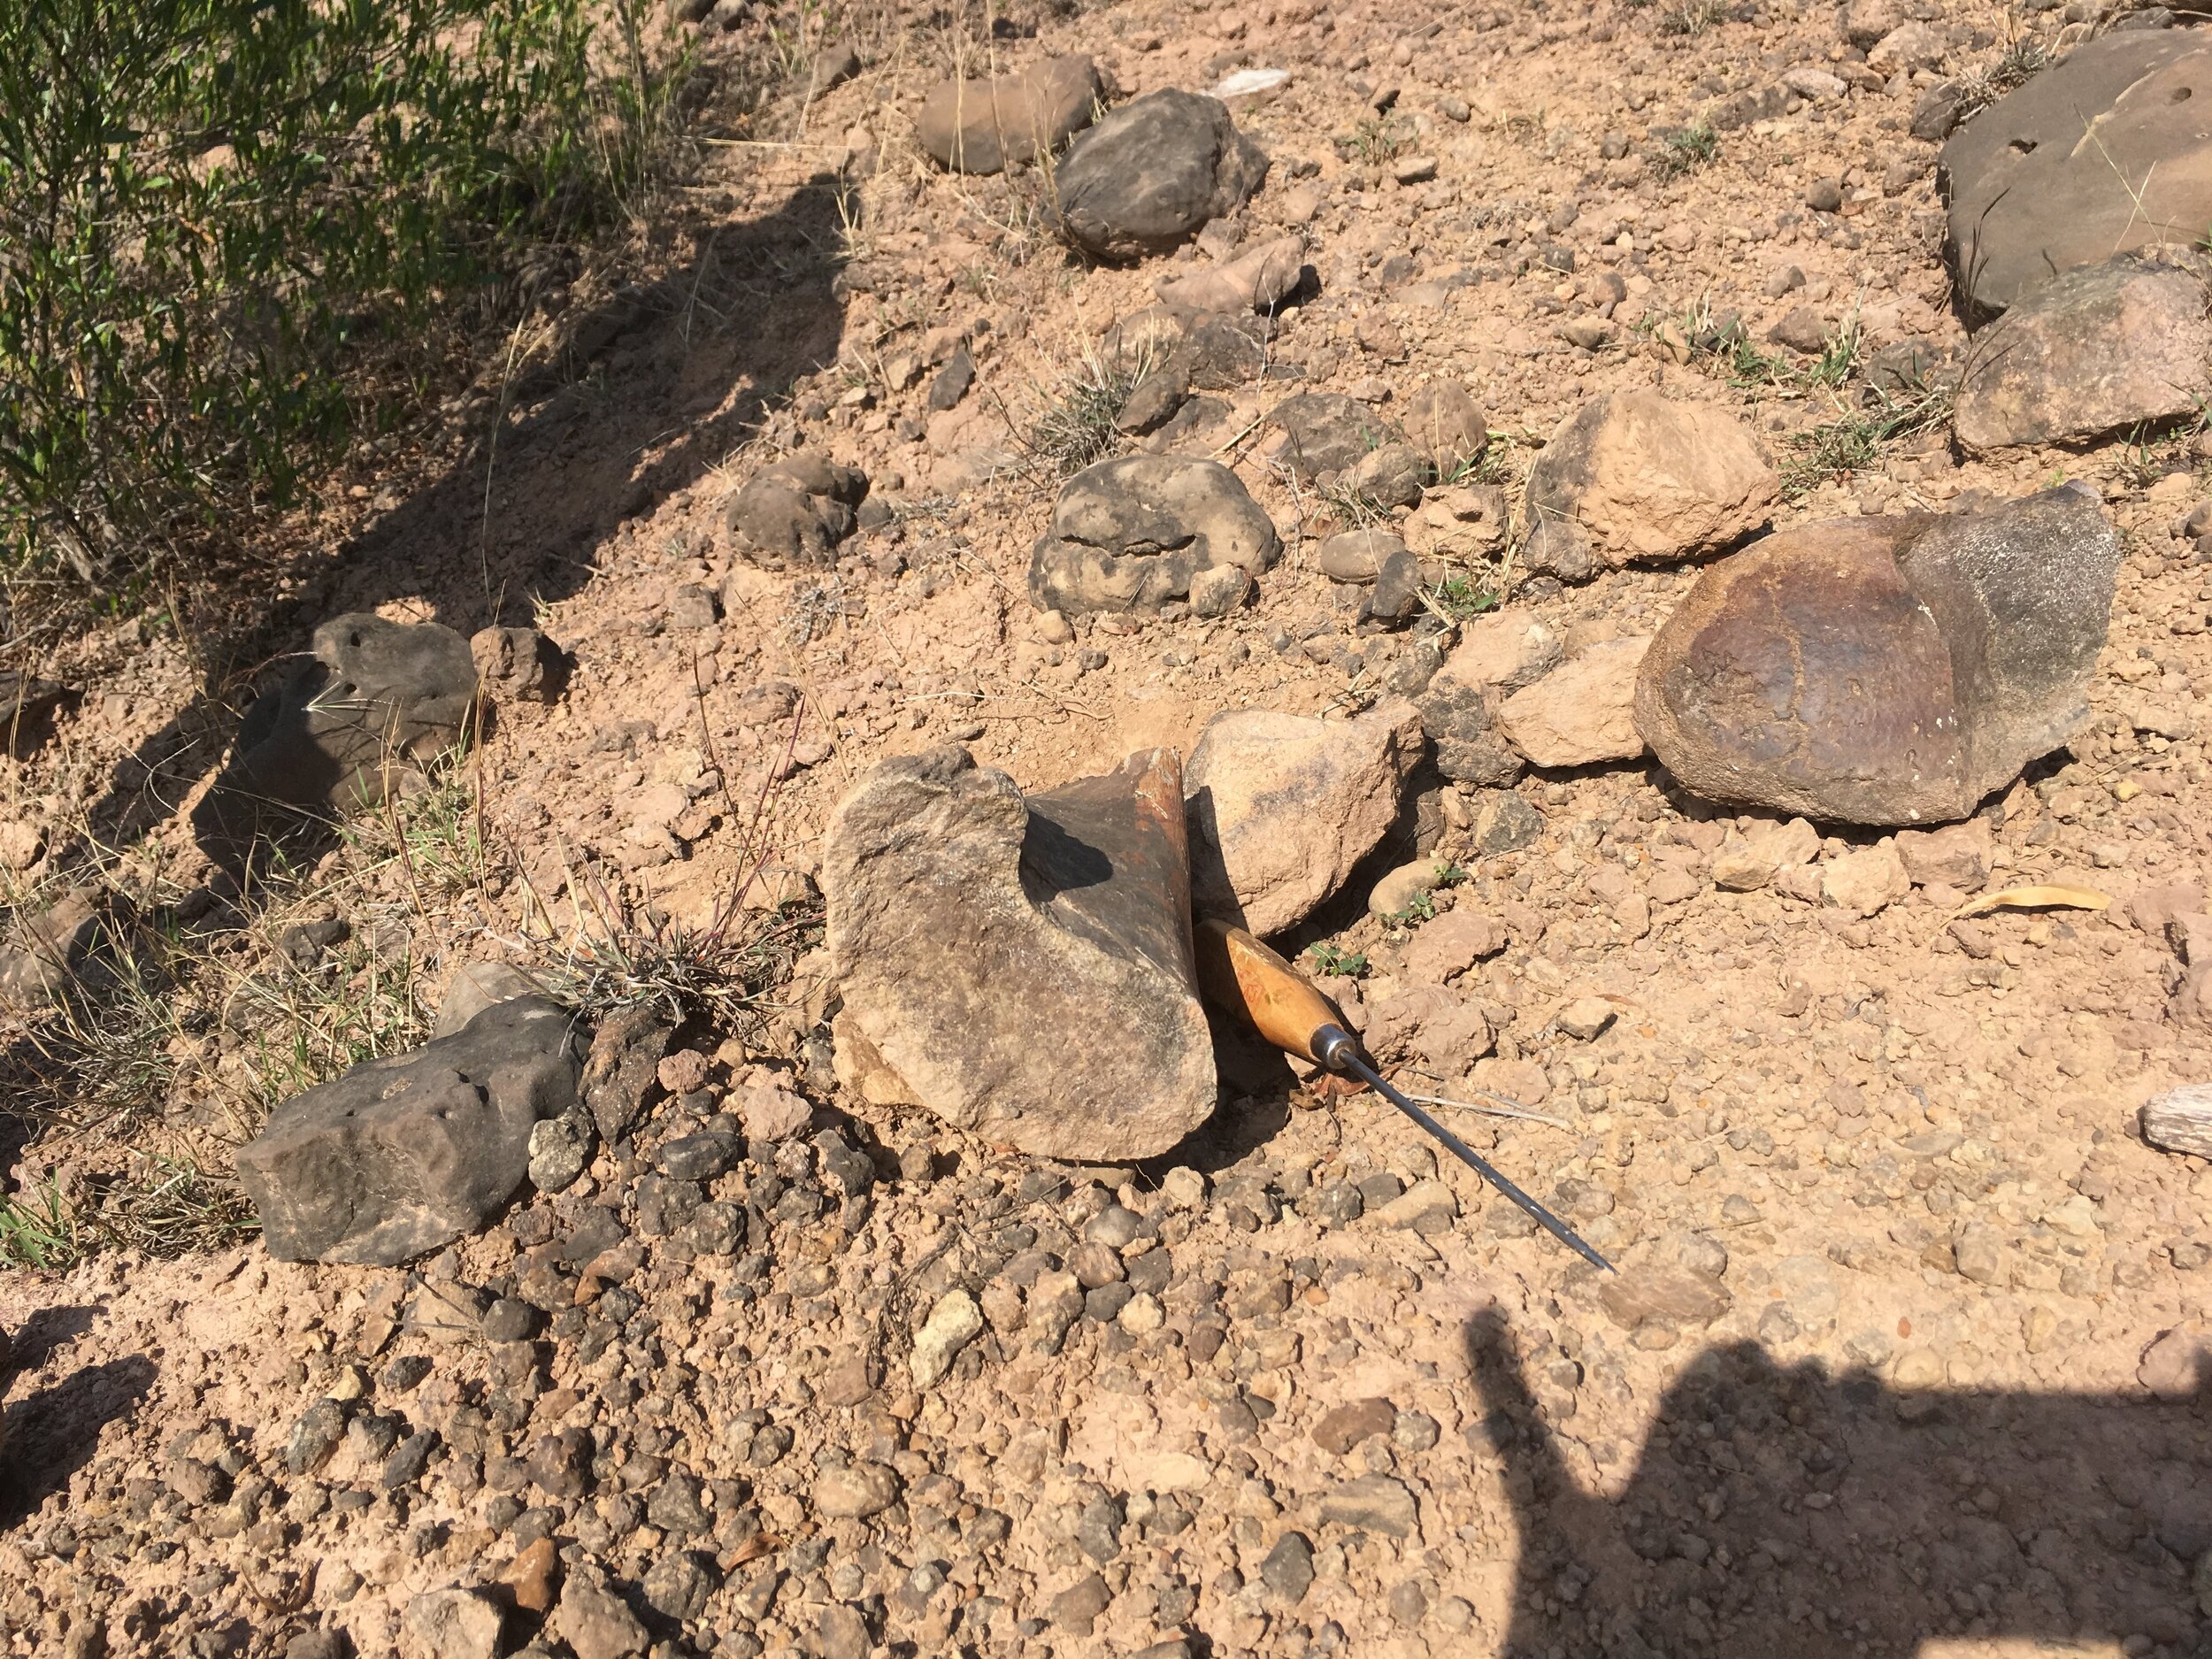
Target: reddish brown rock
989 125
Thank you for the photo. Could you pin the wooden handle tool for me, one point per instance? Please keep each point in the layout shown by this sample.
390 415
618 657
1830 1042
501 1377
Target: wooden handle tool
1241 975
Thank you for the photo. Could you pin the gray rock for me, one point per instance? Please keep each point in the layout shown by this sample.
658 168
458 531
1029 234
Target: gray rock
1373 1504
1890 671
376 701
1131 534
2099 348
1802 328
1321 435
1447 426
1396 596
1152 174
560 1149
518 665
1218 590
970 931
53 951
988 125
2180 1119
855 1491
1357 555
594 1621
622 1072
2029 200
699 1157
450 1625
1283 807
792 515
678 1584
405 1153
1287 1573
475 987
953 382
1389 475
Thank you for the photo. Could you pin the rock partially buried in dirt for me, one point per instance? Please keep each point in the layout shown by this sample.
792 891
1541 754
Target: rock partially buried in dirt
1152 174
1319 434
975 937
2097 350
1581 712
986 126
1648 478
1497 656
475 987
519 664
952 1324
2030 198
1131 534
2180 1120
1885 670
1284 806
453 1624
64 946
1447 426
376 701
1865 882
792 514
1258 280
405 1154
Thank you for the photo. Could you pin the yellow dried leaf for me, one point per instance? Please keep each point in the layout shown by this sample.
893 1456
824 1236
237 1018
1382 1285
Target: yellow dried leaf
2054 896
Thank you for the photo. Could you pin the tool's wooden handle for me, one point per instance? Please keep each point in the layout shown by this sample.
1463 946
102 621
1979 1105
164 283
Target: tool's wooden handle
1241 975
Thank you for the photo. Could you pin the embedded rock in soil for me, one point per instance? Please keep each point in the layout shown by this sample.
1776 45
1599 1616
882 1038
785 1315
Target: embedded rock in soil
453 1624
405 1154
986 126
2031 199
1283 806
1885 670
1497 656
1152 174
1447 426
1131 534
1648 478
1258 280
976 937
49 951
1581 712
792 514
377 700
518 665
1319 434
29 706
2097 350
2180 1120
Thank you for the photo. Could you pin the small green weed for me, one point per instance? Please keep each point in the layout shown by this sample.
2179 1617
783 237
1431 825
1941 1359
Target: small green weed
1686 149
1459 597
1692 17
1377 141
37 1229
1839 447
1336 962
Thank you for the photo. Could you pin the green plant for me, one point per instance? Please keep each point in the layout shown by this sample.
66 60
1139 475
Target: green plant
1459 597
37 1228
1336 962
1376 140
1074 426
1420 908
1685 149
1692 17
234 232
1838 448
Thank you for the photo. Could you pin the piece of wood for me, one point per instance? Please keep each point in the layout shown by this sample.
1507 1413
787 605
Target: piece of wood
1243 977
2180 1120
2053 896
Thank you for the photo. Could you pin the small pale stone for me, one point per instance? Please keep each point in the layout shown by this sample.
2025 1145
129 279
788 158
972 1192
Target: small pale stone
952 1324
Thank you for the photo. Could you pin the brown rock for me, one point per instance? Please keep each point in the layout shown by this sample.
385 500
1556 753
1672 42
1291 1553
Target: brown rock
1648 478
1746 863
986 126
1447 426
1865 882
792 514
1357 555
2099 349
971 931
1679 1295
2178 1364
1957 856
1582 712
1450 945
2030 200
532 1579
1258 280
1890 671
1283 806
1340 1428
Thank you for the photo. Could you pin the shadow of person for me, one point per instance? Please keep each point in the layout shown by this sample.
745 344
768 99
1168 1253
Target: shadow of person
652 392
1790 1510
53 1433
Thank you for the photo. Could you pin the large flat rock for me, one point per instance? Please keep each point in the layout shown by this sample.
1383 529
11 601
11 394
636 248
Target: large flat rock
1021 968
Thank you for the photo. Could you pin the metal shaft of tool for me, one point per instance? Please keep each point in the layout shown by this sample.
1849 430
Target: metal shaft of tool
1344 1057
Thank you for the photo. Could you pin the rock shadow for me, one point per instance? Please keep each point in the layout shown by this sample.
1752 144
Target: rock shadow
1790 1510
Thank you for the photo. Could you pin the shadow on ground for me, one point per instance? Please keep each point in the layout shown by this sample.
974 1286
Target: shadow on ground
1791 1510
51 1434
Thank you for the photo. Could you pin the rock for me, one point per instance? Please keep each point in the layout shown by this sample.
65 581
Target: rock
1648 478
1586 1017
1802 329
952 383
769 1113
1218 590
560 1148
1388 475
61 947
1678 1296
518 665
1427 1208
1450 945
1319 434
1131 534
1163 389
1957 856
954 1322
375 703
1560 547
1256 281
475 987
1936 111
1884 671
1283 806
2099 348
449 1624
2029 200
1373 1504
28 709
855 1491
1287 1573
1497 655
622 1070
1745 863
407 1153
842 1632
793 513
1152 174
1912 45
1504 823
1979 1254
1077 1609
533 1577
1581 712
678 1585
2177 1363
2180 1119
1357 555
1865 882
595 1622
1005 120
1447 426
1340 1428
973 936
1394 895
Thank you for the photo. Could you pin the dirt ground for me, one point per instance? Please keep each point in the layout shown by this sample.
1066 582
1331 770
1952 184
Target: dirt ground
1913 1419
